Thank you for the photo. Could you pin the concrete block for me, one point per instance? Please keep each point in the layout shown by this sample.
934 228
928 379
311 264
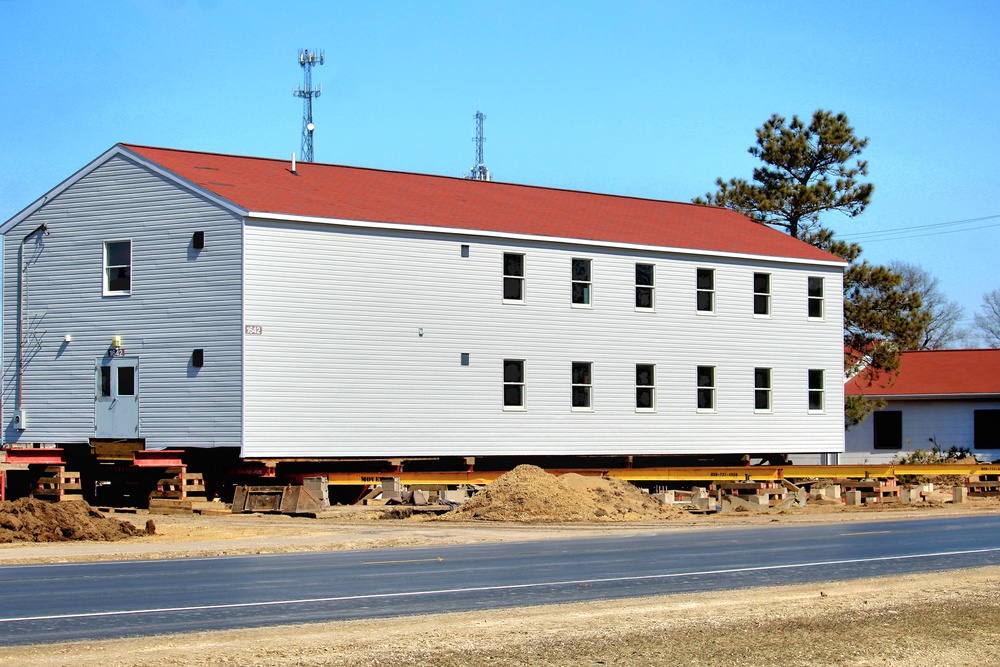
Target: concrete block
908 496
420 497
665 497
872 500
392 489
959 495
833 491
852 498
454 496
927 487
760 499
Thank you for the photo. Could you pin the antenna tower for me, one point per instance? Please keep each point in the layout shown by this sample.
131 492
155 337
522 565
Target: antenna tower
479 172
307 59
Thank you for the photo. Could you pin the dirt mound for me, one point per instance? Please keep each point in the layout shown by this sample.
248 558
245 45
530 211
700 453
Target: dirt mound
529 494
30 520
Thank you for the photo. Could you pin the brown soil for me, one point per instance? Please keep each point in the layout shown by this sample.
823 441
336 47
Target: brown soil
30 520
529 494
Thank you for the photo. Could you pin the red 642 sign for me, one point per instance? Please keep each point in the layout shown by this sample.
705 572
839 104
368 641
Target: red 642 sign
253 329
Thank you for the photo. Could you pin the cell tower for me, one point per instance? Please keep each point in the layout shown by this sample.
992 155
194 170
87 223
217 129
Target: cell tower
307 59
479 172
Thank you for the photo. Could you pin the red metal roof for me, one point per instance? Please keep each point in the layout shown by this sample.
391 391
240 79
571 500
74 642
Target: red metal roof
937 373
351 193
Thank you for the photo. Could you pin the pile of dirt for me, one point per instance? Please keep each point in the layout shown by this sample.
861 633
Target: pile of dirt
30 520
529 494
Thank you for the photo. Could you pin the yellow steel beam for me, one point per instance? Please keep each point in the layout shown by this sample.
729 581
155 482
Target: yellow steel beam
684 474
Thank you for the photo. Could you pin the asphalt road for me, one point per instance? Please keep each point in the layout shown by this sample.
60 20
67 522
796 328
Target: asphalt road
64 602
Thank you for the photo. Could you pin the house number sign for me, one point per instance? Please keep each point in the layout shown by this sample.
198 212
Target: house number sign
253 329
116 351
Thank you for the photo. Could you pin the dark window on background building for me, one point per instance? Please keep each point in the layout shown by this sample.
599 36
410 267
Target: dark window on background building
888 428
986 429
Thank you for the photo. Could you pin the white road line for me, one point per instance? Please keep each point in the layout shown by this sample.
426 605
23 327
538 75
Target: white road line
480 589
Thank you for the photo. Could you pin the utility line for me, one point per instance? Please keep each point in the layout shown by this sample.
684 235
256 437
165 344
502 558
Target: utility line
891 232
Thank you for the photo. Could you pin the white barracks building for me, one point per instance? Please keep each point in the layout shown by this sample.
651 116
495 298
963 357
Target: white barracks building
196 300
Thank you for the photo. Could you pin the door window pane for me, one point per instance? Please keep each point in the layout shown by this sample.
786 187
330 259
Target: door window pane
126 381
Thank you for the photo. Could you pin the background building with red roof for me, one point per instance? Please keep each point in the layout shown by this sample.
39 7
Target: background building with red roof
940 399
194 300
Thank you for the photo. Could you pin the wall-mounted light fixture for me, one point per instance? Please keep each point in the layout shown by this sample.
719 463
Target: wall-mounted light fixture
68 338
198 241
198 358
116 341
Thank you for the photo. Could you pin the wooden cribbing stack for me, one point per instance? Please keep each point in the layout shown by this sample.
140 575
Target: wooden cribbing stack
57 485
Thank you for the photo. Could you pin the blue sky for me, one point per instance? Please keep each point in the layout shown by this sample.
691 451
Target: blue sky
650 99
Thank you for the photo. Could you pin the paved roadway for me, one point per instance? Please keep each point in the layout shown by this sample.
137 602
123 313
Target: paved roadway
49 603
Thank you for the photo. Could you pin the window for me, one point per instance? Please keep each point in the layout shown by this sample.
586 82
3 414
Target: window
706 387
581 282
117 267
986 429
762 389
815 297
816 402
706 290
644 285
645 387
465 250
513 277
888 428
582 385
513 384
762 294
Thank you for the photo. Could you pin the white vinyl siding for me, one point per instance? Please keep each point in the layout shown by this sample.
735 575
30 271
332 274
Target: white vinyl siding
341 370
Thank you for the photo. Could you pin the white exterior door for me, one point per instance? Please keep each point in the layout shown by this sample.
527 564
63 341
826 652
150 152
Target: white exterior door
117 380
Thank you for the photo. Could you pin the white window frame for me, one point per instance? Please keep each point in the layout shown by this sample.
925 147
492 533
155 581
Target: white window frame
708 291
763 296
587 285
519 384
106 281
586 387
762 390
641 287
650 387
819 299
816 390
518 279
706 389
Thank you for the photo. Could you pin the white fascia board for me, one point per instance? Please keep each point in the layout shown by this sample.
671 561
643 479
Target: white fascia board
280 217
116 150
